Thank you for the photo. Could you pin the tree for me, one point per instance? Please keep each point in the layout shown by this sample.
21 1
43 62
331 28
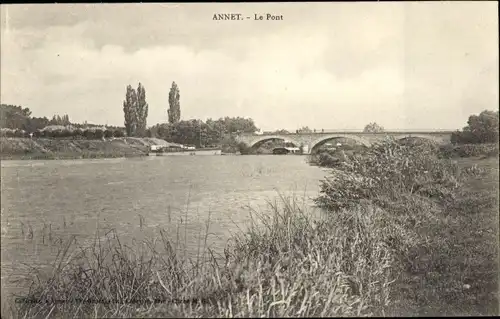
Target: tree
78 133
108 133
13 117
280 132
236 124
36 123
65 120
373 128
118 133
130 111
98 134
58 120
174 112
482 128
304 130
142 110
88 134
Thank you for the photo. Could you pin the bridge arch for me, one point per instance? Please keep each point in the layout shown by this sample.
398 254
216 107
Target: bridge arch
263 139
315 143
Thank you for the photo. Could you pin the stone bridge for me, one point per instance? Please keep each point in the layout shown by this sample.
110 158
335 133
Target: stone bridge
309 141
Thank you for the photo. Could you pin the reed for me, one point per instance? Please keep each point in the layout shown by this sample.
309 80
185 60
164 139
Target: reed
286 264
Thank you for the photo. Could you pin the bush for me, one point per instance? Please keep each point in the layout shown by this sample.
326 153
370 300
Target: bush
66 133
51 134
482 128
98 134
459 137
469 150
89 134
244 149
78 133
6 132
326 159
19 133
118 133
108 134
385 171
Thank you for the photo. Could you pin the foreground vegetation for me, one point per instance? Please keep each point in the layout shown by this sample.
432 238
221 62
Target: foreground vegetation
404 233
440 220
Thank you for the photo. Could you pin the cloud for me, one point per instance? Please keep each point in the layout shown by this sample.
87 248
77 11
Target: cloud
378 65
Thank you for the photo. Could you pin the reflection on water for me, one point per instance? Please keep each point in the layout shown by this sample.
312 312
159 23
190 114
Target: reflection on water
44 203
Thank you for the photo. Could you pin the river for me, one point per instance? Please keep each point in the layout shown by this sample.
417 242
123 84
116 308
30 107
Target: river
46 200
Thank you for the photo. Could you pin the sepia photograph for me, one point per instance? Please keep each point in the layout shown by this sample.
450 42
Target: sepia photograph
293 159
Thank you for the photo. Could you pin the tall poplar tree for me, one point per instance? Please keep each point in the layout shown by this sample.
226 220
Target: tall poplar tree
130 111
142 110
174 112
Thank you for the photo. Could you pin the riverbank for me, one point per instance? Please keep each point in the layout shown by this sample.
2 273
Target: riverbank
420 241
46 149
455 273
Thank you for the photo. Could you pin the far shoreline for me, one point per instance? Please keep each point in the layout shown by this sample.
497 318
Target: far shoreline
34 149
55 157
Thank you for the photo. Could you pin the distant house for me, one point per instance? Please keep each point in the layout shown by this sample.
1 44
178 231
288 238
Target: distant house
52 128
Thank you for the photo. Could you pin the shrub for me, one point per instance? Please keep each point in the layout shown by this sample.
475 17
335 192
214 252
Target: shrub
108 133
89 134
19 133
98 134
66 133
482 128
244 149
383 172
327 159
119 133
51 134
78 133
8 132
469 150
466 137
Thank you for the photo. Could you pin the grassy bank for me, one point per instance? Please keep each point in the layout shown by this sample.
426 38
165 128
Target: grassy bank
453 271
441 218
44 148
404 233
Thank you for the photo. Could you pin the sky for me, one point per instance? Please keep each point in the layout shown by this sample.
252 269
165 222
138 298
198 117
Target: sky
404 65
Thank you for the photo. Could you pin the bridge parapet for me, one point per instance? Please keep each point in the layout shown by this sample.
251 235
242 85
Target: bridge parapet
311 140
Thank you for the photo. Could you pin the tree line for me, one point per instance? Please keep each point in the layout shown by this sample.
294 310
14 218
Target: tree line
16 121
90 134
200 133
190 132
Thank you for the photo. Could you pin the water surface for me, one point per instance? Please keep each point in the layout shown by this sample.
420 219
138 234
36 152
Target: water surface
46 200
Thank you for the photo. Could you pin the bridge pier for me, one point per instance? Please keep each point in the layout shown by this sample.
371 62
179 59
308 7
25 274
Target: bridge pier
306 149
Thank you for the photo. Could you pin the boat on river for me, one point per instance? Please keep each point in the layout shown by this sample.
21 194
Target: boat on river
172 150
